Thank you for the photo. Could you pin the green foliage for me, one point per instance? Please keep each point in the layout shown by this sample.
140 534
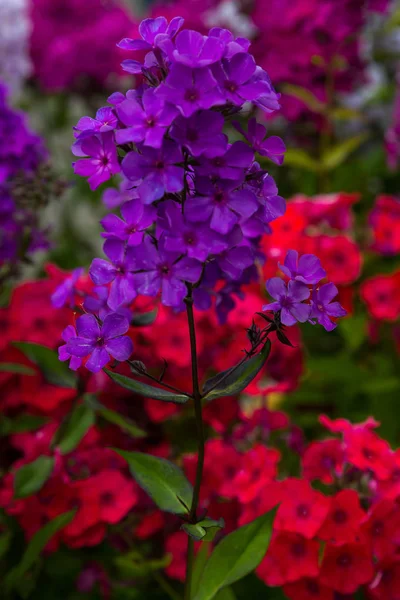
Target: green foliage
30 478
148 391
74 428
235 380
162 480
53 370
235 556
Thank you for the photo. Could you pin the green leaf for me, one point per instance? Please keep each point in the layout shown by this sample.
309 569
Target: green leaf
16 368
5 540
76 426
53 370
295 157
232 384
35 547
235 556
205 530
30 478
148 391
113 417
305 96
225 594
162 480
199 564
143 319
337 155
21 424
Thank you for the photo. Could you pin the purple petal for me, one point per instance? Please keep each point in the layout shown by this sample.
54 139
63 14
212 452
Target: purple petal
327 292
101 271
115 251
334 309
120 348
88 327
80 347
287 318
276 287
301 312
114 325
98 360
172 292
298 291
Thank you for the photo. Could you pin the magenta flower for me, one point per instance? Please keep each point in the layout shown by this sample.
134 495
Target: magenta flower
158 170
149 29
322 307
147 119
98 304
102 161
118 272
256 135
306 269
105 120
165 271
190 89
201 133
100 342
136 218
289 300
63 353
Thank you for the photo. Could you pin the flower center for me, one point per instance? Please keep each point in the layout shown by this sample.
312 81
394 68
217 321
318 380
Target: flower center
313 588
164 269
230 86
192 135
191 95
106 498
159 164
303 512
377 528
104 160
298 549
150 121
339 516
286 302
344 560
320 306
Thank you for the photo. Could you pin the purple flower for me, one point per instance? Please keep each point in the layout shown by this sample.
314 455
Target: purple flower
256 135
201 133
117 272
234 261
64 354
147 121
149 29
224 205
307 269
105 121
157 169
190 89
112 197
165 271
232 45
179 235
193 49
230 165
98 304
289 300
322 306
65 292
240 80
103 159
137 217
100 342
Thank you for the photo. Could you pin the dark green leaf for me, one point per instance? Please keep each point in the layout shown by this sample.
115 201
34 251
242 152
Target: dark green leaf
235 556
194 530
21 424
161 479
54 371
5 539
148 391
30 478
225 594
199 564
143 319
16 368
35 547
113 417
76 426
239 379
205 530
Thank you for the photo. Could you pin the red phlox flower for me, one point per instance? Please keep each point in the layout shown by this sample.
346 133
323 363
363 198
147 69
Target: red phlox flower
343 522
382 529
333 210
267 499
344 568
222 413
290 557
160 411
308 589
176 546
368 452
390 487
340 257
343 425
256 469
116 495
260 424
150 524
384 219
381 294
321 460
387 583
302 510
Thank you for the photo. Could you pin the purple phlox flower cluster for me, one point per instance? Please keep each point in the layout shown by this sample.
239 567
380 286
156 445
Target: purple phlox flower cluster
98 341
304 273
193 205
22 170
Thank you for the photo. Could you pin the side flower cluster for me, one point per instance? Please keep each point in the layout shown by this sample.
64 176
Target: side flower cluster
302 298
193 205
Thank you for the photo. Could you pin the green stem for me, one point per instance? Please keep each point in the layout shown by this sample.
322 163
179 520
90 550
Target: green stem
200 436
